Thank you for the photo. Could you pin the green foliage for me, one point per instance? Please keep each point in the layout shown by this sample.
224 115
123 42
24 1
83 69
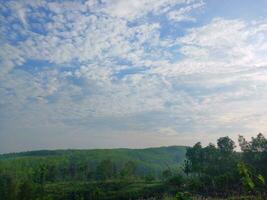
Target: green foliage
219 170
106 170
226 145
213 170
85 174
65 165
97 194
8 186
166 174
149 178
254 157
246 176
176 180
183 196
26 190
128 170
261 179
187 167
255 153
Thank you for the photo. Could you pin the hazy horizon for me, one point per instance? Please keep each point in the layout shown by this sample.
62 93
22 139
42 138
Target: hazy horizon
134 74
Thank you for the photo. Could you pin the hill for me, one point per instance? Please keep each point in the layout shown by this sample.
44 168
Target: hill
149 160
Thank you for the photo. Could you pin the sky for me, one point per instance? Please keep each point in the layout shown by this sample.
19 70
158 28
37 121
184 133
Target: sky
130 73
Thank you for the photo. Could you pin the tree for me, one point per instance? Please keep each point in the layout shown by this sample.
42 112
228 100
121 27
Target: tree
226 145
128 170
214 166
166 174
187 167
7 186
72 167
106 170
194 157
40 177
97 194
26 191
259 144
255 154
40 173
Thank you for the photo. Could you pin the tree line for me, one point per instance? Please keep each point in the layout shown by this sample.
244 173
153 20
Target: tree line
219 170
30 184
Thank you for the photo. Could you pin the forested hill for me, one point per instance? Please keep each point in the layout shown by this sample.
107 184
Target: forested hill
216 170
147 160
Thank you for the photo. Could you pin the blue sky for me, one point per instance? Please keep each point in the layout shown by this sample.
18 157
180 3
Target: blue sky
135 73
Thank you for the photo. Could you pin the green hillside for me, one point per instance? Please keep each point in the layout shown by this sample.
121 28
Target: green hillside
149 160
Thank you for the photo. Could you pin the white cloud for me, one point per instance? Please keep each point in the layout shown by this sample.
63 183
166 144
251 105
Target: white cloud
116 64
133 9
219 47
183 14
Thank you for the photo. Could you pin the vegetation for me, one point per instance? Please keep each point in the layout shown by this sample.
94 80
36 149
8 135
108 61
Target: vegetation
177 173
